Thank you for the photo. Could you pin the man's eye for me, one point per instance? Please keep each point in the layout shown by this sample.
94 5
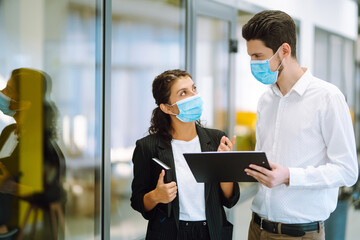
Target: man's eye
182 94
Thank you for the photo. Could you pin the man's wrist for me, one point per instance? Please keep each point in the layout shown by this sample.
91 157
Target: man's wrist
287 178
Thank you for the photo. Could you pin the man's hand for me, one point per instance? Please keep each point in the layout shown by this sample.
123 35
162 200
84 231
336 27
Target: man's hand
226 144
270 178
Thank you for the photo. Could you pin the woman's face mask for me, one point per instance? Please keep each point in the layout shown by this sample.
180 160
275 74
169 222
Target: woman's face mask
190 109
261 70
5 104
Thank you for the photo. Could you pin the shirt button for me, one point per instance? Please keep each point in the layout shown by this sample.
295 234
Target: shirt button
204 223
187 224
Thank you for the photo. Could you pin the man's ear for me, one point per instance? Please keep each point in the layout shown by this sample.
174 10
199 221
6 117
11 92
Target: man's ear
165 108
286 50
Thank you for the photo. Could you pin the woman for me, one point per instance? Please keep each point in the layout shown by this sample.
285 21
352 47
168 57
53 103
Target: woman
196 208
32 138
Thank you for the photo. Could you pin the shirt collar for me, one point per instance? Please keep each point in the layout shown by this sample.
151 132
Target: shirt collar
299 87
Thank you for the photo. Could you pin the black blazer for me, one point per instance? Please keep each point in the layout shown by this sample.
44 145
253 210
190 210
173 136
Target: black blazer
53 175
146 174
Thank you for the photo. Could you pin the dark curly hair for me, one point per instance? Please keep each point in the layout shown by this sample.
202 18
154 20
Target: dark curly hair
161 89
24 77
273 28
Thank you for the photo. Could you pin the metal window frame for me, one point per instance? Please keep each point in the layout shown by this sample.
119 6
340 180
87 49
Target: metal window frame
219 11
103 118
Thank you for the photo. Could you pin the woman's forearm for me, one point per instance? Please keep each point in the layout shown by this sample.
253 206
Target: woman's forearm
227 188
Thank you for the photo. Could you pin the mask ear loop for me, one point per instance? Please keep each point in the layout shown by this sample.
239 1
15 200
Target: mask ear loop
280 64
281 60
174 114
274 53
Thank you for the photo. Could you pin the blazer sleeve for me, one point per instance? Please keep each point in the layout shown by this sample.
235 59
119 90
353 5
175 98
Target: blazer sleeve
141 183
228 202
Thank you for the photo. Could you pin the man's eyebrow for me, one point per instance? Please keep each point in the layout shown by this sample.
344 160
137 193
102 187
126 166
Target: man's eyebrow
256 53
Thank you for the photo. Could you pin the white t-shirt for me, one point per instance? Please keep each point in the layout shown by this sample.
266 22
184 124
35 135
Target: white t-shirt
191 194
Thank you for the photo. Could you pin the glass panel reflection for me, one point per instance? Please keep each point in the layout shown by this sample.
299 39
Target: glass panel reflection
50 146
212 70
146 40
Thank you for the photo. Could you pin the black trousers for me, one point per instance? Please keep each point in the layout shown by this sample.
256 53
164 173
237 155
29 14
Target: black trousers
194 230
5 208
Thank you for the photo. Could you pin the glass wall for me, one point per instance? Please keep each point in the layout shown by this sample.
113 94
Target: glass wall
212 70
50 146
147 39
335 62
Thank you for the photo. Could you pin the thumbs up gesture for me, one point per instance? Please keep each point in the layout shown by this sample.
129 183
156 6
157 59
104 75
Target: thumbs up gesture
4 173
165 192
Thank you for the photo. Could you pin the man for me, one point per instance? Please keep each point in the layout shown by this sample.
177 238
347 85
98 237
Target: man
305 128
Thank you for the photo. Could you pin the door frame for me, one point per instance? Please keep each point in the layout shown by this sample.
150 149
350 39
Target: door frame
223 12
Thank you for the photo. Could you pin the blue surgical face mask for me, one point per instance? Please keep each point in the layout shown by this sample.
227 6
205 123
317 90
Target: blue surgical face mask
190 109
260 69
4 105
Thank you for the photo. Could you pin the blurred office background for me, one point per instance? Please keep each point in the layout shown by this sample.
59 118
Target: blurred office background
103 55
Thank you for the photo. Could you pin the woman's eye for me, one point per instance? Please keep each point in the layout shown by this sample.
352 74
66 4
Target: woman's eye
182 94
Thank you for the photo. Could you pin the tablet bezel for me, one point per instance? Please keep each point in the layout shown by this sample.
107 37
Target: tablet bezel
224 166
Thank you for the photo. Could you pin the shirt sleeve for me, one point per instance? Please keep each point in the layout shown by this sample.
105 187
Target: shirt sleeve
341 168
257 144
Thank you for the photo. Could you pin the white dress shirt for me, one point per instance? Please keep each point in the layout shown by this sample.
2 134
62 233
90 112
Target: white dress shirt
191 193
309 130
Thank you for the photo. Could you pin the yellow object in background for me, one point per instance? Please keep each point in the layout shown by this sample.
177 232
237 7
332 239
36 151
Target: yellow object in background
352 114
245 131
31 144
247 119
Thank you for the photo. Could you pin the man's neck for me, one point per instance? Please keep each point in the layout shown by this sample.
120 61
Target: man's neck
289 76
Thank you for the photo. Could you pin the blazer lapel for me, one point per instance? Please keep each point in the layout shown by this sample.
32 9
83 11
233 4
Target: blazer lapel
166 155
205 144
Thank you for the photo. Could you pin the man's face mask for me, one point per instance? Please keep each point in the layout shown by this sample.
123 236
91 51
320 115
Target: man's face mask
4 105
260 69
190 109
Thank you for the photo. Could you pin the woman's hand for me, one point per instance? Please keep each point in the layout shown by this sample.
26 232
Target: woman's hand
4 174
163 193
226 144
7 184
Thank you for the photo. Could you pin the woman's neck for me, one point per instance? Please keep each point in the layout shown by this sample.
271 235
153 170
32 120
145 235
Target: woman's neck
183 131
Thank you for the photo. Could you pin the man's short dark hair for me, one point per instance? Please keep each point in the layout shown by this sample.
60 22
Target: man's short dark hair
273 28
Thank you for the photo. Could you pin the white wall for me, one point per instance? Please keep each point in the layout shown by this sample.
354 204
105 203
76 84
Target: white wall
337 16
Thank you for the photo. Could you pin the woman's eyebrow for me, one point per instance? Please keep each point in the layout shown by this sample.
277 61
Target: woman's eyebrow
181 89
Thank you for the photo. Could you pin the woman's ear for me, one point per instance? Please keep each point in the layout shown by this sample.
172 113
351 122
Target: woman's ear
165 108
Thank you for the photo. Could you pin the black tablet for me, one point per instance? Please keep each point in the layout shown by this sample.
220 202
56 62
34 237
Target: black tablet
224 166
